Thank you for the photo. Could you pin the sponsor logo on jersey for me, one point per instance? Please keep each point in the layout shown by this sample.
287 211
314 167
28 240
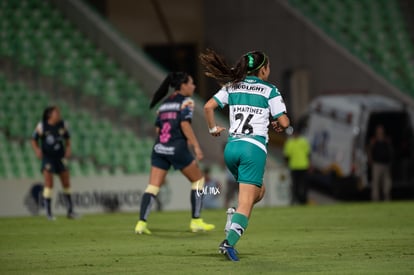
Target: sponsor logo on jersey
188 103
164 150
61 131
50 139
249 88
169 106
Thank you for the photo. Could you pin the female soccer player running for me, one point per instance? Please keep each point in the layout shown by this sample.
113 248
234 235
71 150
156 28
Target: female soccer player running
252 101
54 153
174 134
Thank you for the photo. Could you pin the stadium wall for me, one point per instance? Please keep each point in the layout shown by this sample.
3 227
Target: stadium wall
113 43
121 193
139 21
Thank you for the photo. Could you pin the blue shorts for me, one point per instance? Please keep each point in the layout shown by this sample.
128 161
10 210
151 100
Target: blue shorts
54 165
177 155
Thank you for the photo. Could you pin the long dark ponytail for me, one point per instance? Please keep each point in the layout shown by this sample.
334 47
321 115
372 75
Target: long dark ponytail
47 112
174 80
216 66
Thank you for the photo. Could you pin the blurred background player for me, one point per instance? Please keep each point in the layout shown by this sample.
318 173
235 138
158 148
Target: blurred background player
251 100
212 190
297 153
174 134
54 152
380 154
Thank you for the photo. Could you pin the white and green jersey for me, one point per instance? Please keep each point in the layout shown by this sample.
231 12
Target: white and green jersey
251 103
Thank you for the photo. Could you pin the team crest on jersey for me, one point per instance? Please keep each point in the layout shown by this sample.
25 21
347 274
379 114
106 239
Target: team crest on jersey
61 131
50 139
188 103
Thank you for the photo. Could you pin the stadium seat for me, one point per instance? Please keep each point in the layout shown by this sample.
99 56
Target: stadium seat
96 143
88 168
374 31
75 168
118 171
37 36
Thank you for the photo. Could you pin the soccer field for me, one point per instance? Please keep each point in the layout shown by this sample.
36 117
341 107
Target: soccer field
340 239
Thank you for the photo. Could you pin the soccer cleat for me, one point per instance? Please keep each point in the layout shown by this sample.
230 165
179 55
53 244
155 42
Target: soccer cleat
230 212
141 228
51 217
222 249
197 225
229 251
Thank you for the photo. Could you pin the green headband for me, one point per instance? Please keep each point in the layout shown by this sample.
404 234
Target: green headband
251 62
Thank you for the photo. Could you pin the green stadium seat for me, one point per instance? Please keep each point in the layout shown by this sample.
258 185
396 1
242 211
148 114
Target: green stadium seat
91 88
112 98
45 39
47 67
105 172
365 27
118 171
6 48
117 159
103 157
75 168
27 59
36 35
69 78
132 166
88 168
137 107
109 67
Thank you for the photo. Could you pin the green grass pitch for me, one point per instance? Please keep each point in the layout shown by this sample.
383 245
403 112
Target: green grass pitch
340 239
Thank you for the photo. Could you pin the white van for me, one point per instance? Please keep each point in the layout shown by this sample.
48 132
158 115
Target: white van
339 128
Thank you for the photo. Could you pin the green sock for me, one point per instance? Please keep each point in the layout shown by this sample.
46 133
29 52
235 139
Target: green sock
239 223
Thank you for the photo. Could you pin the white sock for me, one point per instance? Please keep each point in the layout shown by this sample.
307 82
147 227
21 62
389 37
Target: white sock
229 213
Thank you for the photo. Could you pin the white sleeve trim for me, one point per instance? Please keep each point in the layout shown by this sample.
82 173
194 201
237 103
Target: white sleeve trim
277 106
39 128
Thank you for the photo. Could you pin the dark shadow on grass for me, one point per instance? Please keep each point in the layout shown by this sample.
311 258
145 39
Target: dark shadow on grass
220 257
174 234
216 256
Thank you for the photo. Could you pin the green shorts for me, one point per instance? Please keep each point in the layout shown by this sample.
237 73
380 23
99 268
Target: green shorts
246 161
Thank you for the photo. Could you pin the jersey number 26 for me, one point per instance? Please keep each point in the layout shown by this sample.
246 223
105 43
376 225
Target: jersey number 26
247 128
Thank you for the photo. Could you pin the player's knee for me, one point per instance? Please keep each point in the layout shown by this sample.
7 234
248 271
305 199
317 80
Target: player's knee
198 185
261 194
152 189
